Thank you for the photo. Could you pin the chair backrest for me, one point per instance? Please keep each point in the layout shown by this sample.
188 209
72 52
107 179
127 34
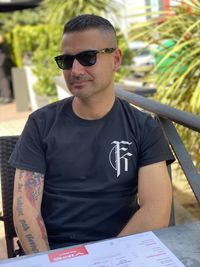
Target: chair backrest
7 144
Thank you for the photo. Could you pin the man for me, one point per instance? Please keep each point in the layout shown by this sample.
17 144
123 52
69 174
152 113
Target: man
83 163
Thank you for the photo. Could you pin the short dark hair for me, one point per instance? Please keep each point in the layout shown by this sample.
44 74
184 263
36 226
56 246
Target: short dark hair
87 22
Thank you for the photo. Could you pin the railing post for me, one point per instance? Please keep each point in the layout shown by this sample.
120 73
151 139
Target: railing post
182 155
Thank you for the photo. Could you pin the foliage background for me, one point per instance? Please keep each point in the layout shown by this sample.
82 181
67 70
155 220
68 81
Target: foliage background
33 37
177 72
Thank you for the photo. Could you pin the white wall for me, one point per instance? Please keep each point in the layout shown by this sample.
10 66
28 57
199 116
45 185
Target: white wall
127 8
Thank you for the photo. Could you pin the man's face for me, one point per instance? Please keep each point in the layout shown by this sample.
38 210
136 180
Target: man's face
87 81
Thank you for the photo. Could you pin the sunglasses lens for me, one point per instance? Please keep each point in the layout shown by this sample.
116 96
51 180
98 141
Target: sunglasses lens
87 58
64 62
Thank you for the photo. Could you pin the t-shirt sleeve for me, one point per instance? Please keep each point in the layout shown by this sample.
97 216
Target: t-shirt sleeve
153 145
29 152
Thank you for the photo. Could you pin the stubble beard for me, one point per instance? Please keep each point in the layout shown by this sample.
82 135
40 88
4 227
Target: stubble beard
90 89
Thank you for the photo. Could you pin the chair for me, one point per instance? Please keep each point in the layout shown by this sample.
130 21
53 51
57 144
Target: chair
7 144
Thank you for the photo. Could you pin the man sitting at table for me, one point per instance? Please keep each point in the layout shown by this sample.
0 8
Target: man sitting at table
91 166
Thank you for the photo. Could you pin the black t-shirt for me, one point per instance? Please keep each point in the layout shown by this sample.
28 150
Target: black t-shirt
90 166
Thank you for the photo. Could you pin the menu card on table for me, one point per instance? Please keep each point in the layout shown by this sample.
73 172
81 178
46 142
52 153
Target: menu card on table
139 250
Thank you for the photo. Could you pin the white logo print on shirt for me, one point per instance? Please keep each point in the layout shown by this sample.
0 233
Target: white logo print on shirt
118 155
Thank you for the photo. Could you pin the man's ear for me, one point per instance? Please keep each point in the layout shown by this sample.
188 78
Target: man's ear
117 59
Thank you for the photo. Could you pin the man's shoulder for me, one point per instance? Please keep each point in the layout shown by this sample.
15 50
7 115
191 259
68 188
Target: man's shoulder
133 110
51 109
137 118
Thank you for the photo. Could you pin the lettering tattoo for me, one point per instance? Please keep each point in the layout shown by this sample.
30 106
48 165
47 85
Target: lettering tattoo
24 225
33 186
21 174
19 207
32 244
19 188
30 187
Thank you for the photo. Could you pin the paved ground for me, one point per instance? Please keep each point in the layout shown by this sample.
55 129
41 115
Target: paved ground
11 121
186 207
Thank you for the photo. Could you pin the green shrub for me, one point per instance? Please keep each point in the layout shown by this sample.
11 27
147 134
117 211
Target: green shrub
126 56
37 45
45 67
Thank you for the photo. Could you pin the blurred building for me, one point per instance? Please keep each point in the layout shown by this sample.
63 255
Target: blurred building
131 11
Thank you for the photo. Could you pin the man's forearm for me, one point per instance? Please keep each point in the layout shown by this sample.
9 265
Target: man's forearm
146 219
29 225
31 231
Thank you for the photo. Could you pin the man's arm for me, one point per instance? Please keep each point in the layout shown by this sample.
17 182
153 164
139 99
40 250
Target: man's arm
29 225
155 198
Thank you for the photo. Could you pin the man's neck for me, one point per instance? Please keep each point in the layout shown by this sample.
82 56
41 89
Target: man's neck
92 109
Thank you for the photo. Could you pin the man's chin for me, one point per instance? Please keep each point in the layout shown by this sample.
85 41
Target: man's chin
80 94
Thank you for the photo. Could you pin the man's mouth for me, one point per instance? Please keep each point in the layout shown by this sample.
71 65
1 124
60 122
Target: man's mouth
79 79
79 83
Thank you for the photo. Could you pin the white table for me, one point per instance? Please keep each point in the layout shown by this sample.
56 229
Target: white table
175 246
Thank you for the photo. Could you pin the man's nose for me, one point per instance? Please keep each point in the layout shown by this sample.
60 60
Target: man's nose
77 68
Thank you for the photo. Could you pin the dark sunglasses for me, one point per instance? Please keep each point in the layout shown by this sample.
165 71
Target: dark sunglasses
85 58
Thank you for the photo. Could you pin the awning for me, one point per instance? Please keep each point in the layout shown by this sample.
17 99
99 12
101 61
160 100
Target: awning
12 5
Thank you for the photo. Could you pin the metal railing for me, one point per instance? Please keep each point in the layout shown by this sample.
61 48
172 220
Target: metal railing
166 116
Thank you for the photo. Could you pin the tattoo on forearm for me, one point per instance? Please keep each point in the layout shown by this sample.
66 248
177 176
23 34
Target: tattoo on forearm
21 174
32 244
33 186
43 230
19 207
24 225
19 188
